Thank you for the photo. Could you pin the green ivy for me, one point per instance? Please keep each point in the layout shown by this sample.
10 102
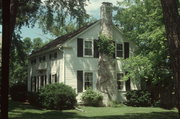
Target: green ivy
106 45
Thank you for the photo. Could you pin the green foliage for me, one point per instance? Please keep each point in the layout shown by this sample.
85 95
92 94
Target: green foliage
57 96
55 14
138 98
18 91
138 67
115 104
106 45
91 98
34 99
142 23
19 58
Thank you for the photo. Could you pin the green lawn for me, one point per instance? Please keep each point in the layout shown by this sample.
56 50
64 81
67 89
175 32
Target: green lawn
24 111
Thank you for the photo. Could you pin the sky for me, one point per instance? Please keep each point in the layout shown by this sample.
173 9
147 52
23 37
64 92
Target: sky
92 8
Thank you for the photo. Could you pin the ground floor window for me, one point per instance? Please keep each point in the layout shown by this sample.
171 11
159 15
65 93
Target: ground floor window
120 82
54 78
88 80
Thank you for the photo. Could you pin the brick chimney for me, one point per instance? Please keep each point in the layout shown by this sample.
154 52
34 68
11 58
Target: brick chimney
106 19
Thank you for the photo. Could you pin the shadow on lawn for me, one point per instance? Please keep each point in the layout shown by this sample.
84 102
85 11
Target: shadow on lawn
74 115
70 115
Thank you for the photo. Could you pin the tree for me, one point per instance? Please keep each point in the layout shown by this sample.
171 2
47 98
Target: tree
19 67
142 23
23 12
172 24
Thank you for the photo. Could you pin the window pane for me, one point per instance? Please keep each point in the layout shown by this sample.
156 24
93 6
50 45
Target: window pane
88 80
119 53
88 52
119 47
119 82
88 44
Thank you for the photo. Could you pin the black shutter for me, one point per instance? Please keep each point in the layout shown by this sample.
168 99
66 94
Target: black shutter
35 87
96 49
49 78
128 84
126 50
31 84
79 81
114 44
37 83
80 47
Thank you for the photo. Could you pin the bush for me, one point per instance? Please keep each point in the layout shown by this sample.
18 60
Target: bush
91 98
115 104
18 91
34 99
57 96
138 98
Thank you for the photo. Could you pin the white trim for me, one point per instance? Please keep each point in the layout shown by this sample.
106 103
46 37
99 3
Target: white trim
92 41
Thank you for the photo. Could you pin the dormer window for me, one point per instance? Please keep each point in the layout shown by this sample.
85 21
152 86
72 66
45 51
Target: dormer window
88 48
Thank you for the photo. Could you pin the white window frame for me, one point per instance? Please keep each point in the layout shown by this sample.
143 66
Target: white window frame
120 50
84 72
84 48
122 82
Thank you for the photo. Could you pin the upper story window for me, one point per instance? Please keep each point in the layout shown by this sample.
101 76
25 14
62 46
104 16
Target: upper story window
88 80
88 48
40 59
50 56
119 50
53 55
33 61
43 58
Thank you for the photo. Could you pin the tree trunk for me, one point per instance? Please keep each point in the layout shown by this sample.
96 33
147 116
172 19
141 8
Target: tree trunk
172 25
9 20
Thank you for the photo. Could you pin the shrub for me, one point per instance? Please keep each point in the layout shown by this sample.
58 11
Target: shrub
57 96
34 99
115 104
138 98
91 98
18 91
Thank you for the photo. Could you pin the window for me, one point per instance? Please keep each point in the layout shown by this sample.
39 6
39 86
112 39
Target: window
40 59
44 58
120 83
50 56
54 78
88 48
55 55
88 80
33 61
119 50
49 78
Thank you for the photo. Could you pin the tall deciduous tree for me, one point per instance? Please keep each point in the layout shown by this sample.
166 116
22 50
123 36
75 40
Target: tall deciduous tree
142 23
172 24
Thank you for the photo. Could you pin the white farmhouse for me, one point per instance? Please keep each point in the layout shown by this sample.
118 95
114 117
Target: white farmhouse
72 59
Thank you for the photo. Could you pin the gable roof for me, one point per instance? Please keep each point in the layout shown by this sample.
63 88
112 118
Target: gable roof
62 39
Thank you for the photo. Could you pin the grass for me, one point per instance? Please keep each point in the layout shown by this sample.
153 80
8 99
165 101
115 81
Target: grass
25 111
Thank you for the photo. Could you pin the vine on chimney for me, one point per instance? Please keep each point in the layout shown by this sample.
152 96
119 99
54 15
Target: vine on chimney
106 45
